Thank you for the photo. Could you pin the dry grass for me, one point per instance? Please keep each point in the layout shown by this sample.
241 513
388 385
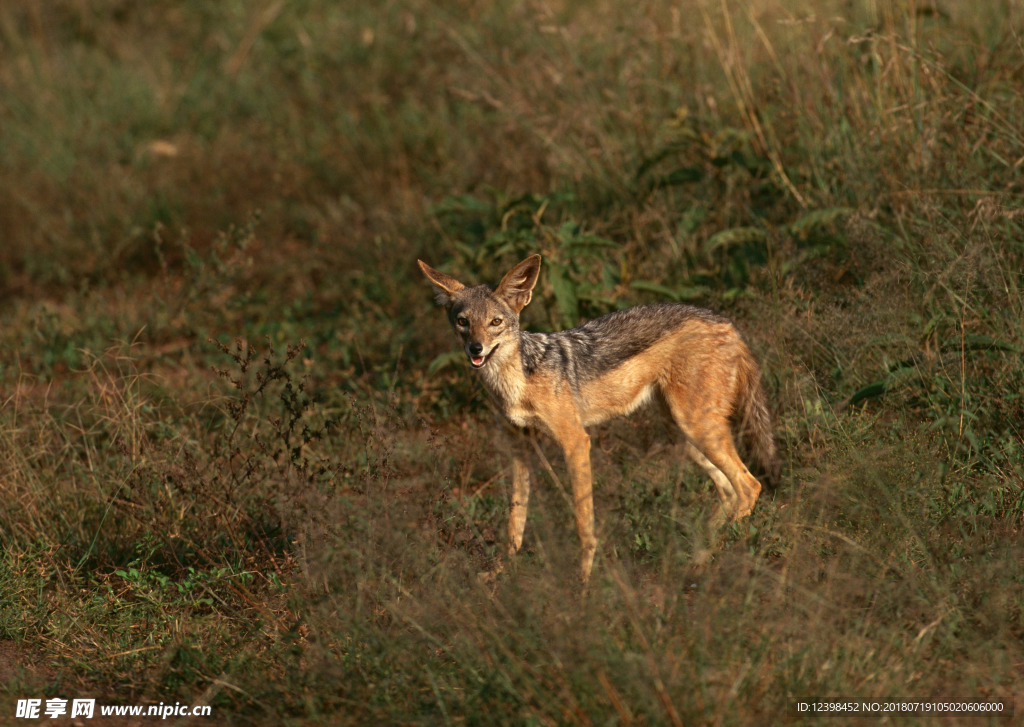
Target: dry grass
239 466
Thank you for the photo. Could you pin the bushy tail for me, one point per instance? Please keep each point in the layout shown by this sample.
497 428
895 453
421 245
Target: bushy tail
755 423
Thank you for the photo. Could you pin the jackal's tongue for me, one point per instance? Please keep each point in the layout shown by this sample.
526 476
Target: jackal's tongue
478 360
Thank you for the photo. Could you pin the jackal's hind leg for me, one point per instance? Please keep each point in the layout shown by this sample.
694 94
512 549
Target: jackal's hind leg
705 424
720 450
728 500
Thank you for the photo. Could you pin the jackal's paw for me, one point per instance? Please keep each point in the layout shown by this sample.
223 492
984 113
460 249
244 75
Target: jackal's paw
702 558
718 517
490 577
744 509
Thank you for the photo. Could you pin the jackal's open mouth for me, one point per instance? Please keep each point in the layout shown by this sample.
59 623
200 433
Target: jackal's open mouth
479 361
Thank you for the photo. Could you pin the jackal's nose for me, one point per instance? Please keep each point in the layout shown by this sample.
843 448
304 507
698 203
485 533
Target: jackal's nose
476 348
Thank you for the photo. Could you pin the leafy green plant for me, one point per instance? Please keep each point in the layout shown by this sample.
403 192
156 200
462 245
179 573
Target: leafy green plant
582 268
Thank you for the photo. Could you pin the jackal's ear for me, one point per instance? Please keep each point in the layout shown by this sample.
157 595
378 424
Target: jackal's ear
517 285
444 285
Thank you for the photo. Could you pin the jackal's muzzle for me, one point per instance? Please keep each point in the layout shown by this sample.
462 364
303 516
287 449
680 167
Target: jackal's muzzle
477 357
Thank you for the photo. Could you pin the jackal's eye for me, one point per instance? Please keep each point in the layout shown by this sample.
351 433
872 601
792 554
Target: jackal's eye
462 321
496 322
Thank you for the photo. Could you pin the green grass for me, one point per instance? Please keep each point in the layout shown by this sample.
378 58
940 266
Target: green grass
240 466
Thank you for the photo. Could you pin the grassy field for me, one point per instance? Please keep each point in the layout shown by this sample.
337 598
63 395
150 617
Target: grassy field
241 466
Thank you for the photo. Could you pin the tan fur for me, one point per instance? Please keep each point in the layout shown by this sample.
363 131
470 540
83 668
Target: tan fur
692 360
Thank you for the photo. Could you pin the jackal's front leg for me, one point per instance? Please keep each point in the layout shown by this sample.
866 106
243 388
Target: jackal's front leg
519 501
514 442
576 446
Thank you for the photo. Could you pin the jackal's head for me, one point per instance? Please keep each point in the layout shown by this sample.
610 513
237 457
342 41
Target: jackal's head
486 320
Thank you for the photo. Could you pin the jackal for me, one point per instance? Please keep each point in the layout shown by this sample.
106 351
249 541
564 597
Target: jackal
690 359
